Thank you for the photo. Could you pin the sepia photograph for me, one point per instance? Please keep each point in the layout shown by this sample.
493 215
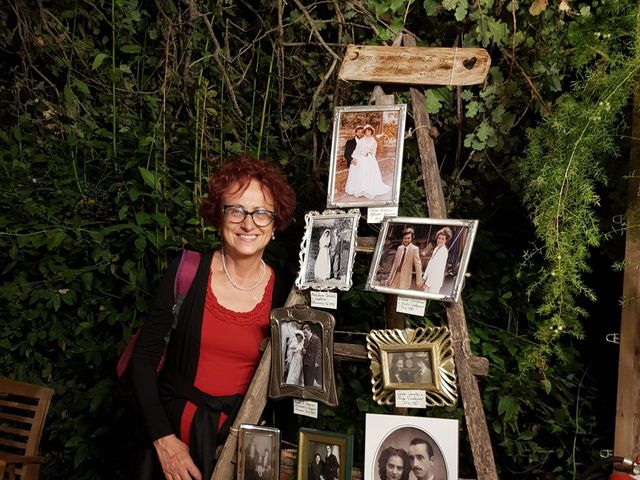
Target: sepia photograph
366 156
328 249
324 455
258 453
422 257
302 354
416 448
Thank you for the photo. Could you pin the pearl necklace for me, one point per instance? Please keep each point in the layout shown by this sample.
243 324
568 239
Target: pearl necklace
235 285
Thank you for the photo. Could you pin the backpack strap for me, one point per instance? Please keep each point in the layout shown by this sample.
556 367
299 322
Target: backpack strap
187 268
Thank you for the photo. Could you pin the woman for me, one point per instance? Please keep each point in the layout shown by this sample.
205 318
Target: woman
322 267
393 464
264 468
316 467
365 179
251 461
294 356
214 348
433 275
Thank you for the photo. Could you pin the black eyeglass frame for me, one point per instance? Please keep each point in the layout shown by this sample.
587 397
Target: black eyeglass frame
246 212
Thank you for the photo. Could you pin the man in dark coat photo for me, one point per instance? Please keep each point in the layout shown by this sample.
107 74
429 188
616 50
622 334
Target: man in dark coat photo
312 358
350 145
331 465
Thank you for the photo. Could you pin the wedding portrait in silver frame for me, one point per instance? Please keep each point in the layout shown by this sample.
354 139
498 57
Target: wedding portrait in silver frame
422 257
302 354
328 249
413 359
432 444
258 452
366 156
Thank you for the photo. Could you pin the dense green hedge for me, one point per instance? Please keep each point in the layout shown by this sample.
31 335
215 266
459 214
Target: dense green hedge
112 114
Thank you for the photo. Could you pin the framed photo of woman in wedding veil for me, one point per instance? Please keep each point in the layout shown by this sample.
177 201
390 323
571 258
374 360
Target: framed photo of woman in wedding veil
366 156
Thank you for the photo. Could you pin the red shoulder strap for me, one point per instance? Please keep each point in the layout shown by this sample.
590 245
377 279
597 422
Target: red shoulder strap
187 269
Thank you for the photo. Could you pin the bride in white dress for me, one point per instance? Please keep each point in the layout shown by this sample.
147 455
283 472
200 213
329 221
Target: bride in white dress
365 179
294 358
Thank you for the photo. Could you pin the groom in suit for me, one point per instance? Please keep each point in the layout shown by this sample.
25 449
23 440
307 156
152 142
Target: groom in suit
406 260
350 145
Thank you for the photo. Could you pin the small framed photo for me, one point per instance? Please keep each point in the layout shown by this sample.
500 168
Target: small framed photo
328 249
413 359
422 257
258 453
324 455
302 354
398 445
366 156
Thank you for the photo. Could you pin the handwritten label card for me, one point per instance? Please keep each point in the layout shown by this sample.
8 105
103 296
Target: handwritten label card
411 306
411 398
307 408
377 214
324 299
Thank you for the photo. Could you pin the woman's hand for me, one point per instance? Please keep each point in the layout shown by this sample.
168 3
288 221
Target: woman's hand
175 459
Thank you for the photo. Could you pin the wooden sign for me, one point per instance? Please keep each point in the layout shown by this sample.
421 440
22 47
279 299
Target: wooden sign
415 65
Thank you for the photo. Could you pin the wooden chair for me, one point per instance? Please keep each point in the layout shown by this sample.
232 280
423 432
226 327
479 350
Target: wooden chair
23 410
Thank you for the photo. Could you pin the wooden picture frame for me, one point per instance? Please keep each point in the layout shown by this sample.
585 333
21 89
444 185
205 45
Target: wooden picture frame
373 180
328 250
316 443
258 452
302 367
422 257
427 444
390 352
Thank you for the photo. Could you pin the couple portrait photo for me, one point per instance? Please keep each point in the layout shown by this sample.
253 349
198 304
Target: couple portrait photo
366 156
328 249
422 257
324 464
413 448
258 452
302 358
410 367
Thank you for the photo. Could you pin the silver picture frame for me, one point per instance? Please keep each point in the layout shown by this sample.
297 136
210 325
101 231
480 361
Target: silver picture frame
432 262
328 250
375 180
258 452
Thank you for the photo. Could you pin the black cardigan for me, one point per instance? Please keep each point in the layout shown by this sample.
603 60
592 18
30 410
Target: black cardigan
182 353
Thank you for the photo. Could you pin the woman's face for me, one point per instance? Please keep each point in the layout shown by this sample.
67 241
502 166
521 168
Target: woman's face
368 132
395 466
317 458
299 338
441 239
246 239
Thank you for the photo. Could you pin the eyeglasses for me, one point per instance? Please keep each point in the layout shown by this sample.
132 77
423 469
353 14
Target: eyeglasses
236 214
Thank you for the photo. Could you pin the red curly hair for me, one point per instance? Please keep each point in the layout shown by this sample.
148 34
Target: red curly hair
239 171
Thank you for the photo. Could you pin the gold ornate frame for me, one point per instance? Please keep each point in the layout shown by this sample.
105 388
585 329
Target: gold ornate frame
434 342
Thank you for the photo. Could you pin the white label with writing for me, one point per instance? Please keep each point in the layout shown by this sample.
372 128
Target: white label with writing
377 214
411 398
411 306
307 408
324 299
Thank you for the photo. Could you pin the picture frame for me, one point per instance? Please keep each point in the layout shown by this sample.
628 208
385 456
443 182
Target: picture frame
430 445
432 262
328 250
373 180
258 452
302 354
413 359
314 445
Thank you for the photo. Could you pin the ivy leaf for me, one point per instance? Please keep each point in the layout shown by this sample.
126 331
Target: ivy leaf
98 60
433 101
431 7
461 11
485 131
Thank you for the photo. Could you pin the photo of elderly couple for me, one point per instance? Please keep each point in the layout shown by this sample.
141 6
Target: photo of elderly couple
324 463
302 349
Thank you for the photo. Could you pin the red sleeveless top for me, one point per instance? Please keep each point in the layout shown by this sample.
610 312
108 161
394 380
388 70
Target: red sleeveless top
229 350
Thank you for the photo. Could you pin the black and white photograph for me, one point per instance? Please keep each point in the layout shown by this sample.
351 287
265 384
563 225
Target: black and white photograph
324 455
258 453
366 156
410 448
422 257
328 249
302 354
413 359
301 346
